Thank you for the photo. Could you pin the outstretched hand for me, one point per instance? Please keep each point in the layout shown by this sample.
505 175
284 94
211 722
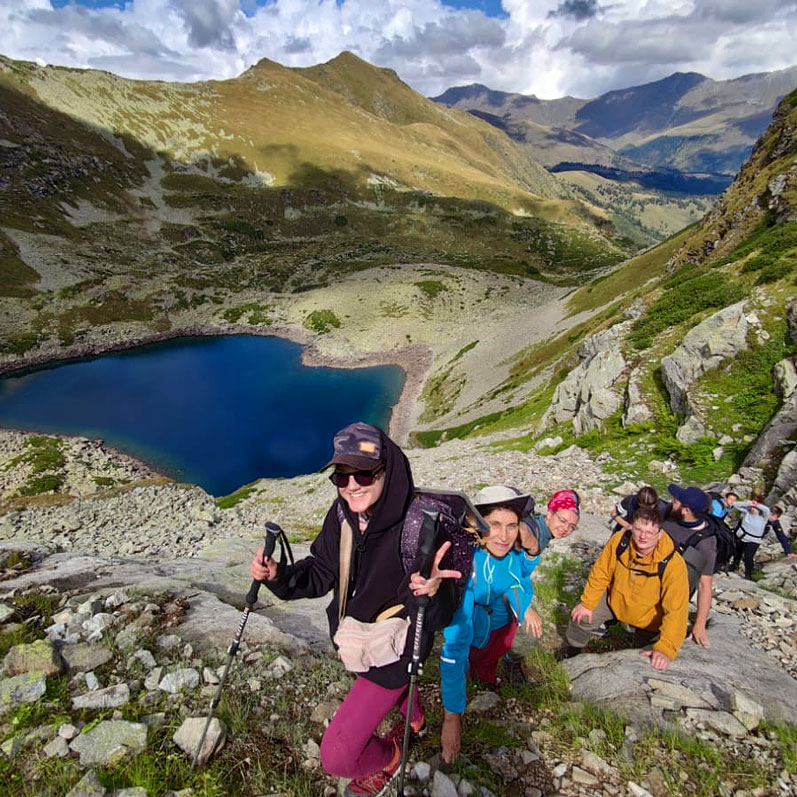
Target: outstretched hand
658 660
581 612
429 586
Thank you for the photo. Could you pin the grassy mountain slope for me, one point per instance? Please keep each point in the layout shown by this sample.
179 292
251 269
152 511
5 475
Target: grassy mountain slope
746 248
142 205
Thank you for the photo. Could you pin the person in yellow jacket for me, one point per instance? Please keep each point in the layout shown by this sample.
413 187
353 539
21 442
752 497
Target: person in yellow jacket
639 579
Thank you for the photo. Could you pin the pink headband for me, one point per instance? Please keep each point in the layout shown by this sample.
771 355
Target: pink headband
563 499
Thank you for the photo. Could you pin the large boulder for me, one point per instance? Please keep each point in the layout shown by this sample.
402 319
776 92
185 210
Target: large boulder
700 678
585 395
784 488
27 687
776 437
704 347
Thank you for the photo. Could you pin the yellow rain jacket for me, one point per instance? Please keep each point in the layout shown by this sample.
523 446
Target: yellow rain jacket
642 601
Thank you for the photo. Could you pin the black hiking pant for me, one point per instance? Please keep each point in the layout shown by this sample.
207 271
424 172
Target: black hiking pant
746 551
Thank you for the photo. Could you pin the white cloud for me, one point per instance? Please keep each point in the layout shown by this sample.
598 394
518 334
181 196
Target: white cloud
546 47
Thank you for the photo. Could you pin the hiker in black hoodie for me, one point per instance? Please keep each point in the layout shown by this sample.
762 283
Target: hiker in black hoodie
375 492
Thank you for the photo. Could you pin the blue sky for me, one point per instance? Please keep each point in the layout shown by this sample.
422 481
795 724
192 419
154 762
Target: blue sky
550 48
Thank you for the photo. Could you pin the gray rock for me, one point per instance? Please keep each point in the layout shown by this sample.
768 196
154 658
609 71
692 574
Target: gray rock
38 656
7 611
483 703
619 679
68 731
154 677
720 721
27 687
785 378
548 442
188 734
443 786
134 791
579 775
691 431
684 696
57 748
89 786
768 449
177 680
92 682
11 746
704 347
85 656
747 711
143 657
636 410
421 771
110 697
110 742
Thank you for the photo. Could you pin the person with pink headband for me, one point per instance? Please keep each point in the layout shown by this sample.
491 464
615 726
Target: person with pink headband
536 532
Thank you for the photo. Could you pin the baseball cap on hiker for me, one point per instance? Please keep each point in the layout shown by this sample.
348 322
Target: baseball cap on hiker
358 445
499 495
691 497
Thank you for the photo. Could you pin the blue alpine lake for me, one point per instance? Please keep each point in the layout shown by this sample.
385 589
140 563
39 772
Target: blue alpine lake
219 412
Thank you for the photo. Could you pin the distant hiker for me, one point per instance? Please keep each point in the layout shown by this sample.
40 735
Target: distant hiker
755 516
496 601
774 523
722 505
694 537
536 531
645 498
639 579
375 493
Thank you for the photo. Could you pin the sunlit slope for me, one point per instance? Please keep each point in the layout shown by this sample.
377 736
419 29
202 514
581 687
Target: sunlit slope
281 126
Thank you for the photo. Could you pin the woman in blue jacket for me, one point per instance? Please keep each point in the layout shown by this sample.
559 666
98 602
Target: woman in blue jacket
496 600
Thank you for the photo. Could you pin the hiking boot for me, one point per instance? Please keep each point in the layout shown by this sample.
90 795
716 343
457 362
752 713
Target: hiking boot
417 731
513 672
567 652
377 784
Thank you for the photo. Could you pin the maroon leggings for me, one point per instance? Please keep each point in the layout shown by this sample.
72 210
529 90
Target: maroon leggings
350 748
484 661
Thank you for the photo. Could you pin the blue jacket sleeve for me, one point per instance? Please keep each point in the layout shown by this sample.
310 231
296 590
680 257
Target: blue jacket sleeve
457 639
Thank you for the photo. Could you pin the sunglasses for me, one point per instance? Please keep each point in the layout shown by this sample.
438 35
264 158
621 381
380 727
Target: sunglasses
365 478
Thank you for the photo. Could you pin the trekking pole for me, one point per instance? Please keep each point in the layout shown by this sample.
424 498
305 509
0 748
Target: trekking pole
273 531
426 543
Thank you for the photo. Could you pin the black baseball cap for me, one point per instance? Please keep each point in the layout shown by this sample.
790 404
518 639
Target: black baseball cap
358 445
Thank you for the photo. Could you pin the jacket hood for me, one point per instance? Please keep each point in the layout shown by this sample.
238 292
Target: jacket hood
396 495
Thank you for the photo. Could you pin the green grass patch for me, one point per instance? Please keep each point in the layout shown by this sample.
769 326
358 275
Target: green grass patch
463 351
705 766
229 501
255 312
633 274
321 321
747 380
17 278
42 454
703 291
430 288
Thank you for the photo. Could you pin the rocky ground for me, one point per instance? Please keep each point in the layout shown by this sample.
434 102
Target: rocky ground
132 591
113 661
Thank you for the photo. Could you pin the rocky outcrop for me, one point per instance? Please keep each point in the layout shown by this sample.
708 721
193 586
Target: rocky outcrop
776 437
585 396
635 408
704 347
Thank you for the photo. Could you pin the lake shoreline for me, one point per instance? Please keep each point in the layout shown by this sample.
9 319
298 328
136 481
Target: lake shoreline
413 360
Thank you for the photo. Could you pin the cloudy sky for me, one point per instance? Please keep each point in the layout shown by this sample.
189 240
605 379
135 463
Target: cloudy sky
545 47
